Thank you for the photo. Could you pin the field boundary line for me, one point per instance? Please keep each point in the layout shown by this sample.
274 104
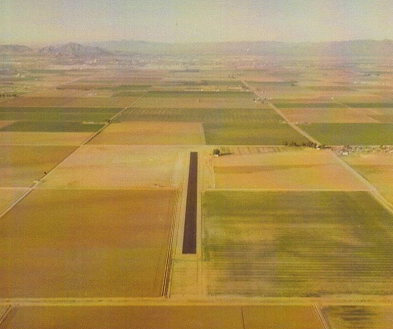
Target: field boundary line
279 112
321 317
5 314
372 189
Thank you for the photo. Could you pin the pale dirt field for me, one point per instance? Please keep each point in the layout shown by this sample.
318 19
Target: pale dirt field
20 166
86 243
134 317
25 101
119 167
151 133
344 115
288 317
298 169
102 102
188 102
377 168
8 197
44 138
359 317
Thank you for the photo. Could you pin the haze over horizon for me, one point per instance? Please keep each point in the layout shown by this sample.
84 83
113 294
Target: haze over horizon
62 21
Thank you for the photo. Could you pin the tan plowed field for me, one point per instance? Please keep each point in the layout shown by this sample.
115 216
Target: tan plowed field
86 243
303 169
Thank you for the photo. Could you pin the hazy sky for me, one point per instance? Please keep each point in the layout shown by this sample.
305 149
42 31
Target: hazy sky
46 21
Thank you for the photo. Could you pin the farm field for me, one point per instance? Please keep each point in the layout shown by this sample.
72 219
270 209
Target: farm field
215 115
251 134
20 166
329 115
102 102
359 317
376 168
57 114
115 167
47 126
163 317
43 138
296 244
151 133
110 238
36 102
351 134
303 169
8 196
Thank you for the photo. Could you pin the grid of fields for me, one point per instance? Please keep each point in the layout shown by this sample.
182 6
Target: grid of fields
285 244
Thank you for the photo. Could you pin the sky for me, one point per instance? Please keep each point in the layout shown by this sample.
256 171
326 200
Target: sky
60 21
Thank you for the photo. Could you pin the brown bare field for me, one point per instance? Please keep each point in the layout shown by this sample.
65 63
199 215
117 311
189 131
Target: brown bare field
376 168
86 243
8 197
20 165
44 138
358 317
37 102
102 102
303 169
344 115
205 102
152 133
119 167
5 123
56 93
126 317
288 317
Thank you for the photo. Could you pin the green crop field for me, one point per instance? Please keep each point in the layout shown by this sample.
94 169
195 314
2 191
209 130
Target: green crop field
251 134
351 134
56 116
202 115
46 126
287 244
39 110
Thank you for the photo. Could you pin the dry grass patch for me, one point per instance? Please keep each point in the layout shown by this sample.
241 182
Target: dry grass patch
44 138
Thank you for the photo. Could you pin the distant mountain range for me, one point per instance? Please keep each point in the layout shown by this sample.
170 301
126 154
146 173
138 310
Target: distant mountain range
344 48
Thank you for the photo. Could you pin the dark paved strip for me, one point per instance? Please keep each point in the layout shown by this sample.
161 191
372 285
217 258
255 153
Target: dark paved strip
189 240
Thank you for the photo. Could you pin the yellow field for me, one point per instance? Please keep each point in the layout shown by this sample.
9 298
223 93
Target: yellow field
376 168
55 93
86 243
43 138
22 165
359 317
288 317
9 196
119 167
344 115
129 317
303 169
152 133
